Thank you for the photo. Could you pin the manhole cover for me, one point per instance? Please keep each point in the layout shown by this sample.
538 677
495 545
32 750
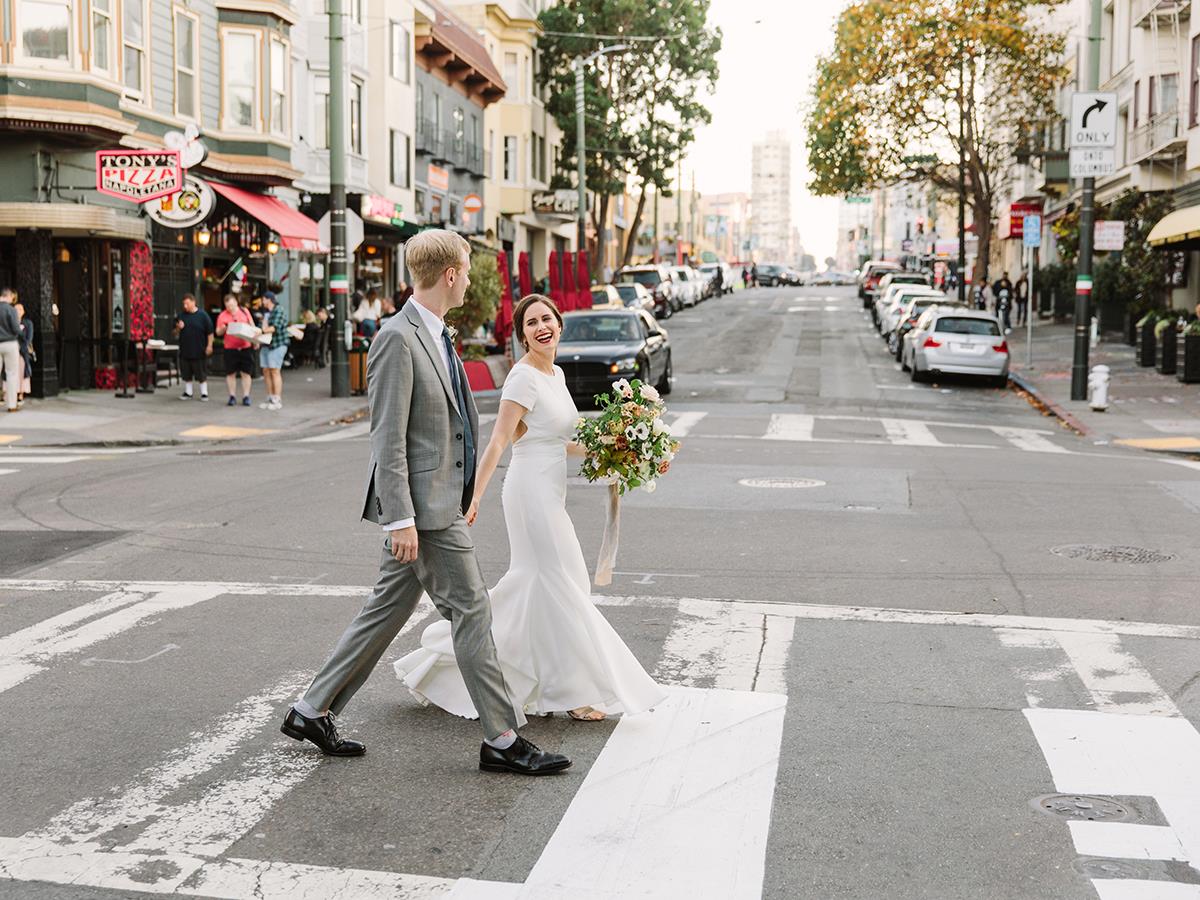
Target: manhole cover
1117 554
240 451
1079 806
1099 867
781 482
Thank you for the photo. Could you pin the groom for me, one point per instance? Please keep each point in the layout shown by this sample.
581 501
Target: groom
424 431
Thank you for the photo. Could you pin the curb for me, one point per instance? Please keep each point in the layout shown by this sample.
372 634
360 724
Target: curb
1049 405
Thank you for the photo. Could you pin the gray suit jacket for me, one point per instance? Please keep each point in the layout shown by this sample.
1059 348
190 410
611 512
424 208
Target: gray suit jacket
417 447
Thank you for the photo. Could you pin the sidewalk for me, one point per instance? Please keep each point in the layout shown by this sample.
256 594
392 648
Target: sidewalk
100 417
1146 410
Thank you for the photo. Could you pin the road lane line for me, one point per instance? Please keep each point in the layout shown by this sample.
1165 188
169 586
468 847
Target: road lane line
684 422
790 427
1137 889
144 796
1027 439
909 433
661 812
1125 840
1116 680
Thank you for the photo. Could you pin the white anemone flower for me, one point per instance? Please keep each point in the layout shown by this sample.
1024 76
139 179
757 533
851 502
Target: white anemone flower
650 487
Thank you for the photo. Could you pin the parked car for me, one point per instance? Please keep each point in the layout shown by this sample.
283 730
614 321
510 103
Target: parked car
606 296
885 302
704 288
689 285
770 275
912 308
869 275
792 276
956 341
660 282
599 347
635 296
709 270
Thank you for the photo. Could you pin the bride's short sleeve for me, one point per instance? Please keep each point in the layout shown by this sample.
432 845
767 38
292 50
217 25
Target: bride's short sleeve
520 387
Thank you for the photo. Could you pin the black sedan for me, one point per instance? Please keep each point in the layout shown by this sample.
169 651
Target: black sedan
600 347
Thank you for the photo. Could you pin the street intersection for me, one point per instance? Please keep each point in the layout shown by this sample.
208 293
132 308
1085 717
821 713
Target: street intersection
921 642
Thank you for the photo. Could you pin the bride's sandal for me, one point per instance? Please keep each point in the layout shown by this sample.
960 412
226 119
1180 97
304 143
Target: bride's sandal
586 714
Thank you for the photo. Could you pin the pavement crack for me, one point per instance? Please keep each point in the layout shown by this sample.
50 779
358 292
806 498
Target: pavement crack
1185 687
961 707
762 646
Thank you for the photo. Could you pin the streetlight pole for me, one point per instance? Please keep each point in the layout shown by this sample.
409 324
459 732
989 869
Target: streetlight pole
962 187
339 280
1087 221
580 144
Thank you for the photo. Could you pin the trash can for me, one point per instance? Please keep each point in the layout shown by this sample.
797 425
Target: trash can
358 372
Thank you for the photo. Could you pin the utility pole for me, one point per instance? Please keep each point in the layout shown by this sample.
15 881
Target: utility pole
654 258
1087 224
962 185
679 212
339 278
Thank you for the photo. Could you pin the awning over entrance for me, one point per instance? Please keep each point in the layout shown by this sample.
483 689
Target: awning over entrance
1179 227
296 231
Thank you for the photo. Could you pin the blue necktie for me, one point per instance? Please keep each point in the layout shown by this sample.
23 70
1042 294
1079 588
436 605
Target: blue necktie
461 398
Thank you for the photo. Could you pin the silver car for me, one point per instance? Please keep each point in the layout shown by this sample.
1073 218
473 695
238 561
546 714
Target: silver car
889 304
956 341
690 285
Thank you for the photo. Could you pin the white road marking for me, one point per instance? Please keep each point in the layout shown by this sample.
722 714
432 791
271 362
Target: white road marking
9 471
790 427
911 433
1118 754
684 422
1027 439
1115 679
167 648
41 460
1136 889
1125 840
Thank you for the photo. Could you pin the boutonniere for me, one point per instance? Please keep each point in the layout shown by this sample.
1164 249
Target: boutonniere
453 332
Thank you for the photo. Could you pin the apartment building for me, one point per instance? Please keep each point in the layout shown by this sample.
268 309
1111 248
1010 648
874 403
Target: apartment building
771 197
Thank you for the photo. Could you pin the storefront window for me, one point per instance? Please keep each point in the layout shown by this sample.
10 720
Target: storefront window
46 29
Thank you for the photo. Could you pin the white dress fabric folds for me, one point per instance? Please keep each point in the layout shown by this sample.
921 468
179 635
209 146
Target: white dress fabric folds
557 650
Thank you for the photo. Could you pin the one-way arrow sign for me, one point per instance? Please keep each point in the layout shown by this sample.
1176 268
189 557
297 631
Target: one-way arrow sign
1093 119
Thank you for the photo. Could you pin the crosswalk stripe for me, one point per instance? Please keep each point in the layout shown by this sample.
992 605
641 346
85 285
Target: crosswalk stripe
685 421
41 460
910 433
1027 439
1114 677
790 427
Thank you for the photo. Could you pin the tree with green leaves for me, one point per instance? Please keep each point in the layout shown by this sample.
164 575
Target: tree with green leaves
900 75
641 105
482 299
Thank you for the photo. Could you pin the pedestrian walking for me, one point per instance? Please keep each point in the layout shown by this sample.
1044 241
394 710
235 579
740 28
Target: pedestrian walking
195 331
271 357
239 361
745 277
754 274
10 349
27 354
719 282
1002 292
365 315
1022 299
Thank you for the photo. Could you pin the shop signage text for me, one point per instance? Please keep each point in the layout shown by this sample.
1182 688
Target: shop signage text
375 208
184 208
1109 235
138 175
439 178
1016 217
563 202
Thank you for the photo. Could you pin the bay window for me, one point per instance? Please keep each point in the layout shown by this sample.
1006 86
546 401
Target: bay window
240 87
187 33
45 27
133 50
103 49
356 116
279 87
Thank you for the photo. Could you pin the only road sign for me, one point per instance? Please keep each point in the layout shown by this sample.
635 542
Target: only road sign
1094 162
1093 119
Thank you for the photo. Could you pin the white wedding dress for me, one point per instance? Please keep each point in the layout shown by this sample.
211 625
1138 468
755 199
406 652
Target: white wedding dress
557 651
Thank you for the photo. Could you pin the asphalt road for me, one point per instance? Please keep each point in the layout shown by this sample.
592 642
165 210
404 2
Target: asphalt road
922 643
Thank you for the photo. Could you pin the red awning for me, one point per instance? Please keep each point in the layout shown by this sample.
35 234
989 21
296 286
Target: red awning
296 231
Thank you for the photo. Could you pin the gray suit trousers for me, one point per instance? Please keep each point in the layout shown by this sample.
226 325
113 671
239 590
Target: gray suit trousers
446 569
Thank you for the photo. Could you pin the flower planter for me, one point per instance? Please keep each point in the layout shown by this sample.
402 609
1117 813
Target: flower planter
1188 368
1167 351
1146 345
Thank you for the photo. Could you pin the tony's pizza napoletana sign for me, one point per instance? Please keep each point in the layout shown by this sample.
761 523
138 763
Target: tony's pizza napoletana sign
138 175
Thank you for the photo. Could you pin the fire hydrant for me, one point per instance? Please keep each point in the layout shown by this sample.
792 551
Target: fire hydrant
1098 388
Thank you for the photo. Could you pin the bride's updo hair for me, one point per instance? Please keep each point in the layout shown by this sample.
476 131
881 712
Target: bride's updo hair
519 314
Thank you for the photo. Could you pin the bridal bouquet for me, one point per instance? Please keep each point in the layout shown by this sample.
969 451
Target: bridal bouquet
629 446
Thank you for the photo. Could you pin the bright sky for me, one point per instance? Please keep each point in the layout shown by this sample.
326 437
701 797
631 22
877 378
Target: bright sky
766 67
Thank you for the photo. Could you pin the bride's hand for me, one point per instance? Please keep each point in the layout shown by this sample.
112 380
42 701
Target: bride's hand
473 511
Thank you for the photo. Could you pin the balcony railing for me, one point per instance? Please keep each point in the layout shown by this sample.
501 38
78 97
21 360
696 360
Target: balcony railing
1161 136
430 139
1143 10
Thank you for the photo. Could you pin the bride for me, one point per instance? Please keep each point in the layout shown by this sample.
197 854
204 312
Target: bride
557 651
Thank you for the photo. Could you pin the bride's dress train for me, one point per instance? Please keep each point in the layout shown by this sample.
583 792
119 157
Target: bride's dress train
557 650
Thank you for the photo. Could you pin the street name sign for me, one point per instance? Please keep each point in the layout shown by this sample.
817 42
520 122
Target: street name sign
1031 230
1093 119
1092 162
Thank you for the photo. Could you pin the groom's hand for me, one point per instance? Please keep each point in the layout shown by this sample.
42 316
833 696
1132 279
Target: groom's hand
404 544
473 511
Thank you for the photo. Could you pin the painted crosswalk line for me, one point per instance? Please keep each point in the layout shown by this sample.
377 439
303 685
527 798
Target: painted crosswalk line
652 793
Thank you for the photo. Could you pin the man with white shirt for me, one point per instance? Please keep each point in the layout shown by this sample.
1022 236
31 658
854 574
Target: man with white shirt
424 434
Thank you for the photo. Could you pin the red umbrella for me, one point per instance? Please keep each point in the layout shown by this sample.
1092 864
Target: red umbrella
585 289
524 274
555 278
504 315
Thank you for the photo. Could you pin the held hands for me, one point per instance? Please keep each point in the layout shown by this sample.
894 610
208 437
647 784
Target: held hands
473 511
404 544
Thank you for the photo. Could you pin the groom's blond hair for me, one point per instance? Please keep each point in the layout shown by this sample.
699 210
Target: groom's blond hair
430 253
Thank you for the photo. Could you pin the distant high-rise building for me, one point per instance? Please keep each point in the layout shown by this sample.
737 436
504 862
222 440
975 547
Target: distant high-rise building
771 198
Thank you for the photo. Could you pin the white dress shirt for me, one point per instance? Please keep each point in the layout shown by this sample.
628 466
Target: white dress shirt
435 326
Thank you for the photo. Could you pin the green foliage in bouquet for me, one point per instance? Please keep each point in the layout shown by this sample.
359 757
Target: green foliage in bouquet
628 442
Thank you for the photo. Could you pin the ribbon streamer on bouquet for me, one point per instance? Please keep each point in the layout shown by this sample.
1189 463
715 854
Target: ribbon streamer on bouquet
612 533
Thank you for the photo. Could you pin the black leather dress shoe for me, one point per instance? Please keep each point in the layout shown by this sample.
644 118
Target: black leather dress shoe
523 758
321 732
